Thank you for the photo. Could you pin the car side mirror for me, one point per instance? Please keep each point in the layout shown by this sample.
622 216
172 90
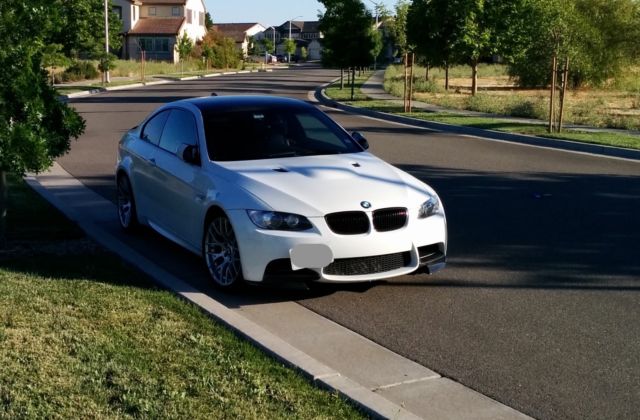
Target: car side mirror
189 153
359 138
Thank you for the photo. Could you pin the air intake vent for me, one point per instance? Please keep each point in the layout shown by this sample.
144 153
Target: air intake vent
368 265
385 220
348 222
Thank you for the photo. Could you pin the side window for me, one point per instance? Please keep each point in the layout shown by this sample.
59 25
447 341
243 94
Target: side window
315 129
180 128
153 129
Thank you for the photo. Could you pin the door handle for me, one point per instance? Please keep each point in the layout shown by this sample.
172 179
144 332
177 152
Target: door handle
152 161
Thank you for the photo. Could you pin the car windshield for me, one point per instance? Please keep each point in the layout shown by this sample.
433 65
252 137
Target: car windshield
250 134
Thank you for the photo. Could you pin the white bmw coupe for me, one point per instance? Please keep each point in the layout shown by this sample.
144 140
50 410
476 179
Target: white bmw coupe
272 189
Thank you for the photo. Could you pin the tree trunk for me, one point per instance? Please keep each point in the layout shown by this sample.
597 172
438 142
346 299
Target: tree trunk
341 78
353 83
426 72
563 92
413 57
446 76
404 92
474 78
553 92
4 204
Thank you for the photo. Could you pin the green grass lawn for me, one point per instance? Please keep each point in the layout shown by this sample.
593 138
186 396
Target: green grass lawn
630 141
334 91
82 335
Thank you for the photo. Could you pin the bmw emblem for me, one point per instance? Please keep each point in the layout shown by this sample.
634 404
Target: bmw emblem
365 204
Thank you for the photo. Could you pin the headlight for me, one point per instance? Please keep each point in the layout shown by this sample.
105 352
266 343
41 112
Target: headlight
274 220
429 207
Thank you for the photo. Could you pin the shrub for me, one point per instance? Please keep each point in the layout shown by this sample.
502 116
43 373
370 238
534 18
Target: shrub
529 108
80 70
422 85
486 103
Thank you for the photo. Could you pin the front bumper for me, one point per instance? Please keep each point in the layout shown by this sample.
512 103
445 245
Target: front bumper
265 254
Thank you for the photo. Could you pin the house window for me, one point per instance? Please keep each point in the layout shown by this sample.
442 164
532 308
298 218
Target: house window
161 45
156 45
189 16
118 11
175 11
146 44
201 20
152 11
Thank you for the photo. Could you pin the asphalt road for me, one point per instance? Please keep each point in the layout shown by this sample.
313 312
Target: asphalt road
539 306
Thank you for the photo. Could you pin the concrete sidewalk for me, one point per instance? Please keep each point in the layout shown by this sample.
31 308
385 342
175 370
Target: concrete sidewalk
373 89
153 80
382 383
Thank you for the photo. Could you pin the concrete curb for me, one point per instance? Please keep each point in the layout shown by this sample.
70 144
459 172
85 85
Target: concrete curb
368 401
167 79
571 146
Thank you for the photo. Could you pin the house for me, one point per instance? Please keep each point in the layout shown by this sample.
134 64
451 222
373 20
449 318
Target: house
306 34
154 26
241 33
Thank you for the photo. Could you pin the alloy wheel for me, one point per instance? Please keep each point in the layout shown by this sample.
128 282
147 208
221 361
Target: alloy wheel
221 253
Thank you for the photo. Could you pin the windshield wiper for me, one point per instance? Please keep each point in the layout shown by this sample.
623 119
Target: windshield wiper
282 154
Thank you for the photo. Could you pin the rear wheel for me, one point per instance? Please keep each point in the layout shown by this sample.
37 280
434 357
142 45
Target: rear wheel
126 204
221 252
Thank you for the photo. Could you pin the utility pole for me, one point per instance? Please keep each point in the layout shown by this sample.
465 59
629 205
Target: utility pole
274 40
107 77
378 6
289 58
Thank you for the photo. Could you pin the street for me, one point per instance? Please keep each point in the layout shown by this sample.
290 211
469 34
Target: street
539 304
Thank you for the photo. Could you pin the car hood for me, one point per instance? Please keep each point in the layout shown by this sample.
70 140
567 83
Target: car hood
317 185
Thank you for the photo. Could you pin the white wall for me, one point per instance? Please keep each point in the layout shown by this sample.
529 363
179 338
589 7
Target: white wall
194 30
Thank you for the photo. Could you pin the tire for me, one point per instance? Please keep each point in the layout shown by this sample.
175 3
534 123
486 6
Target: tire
221 253
126 205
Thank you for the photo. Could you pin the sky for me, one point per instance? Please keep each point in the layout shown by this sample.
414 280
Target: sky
271 12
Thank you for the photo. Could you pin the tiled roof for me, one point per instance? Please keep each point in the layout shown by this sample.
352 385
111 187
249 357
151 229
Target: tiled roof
305 26
238 37
180 2
157 26
234 27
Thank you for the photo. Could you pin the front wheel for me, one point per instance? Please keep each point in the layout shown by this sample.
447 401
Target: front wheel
221 253
126 204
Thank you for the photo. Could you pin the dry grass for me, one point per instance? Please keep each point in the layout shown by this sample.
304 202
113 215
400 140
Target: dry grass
611 107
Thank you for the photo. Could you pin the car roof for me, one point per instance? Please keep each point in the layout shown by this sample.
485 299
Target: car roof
227 103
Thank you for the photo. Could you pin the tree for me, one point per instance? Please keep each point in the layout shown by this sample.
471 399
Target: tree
289 46
252 48
183 47
432 28
474 37
208 22
53 57
220 51
600 37
268 45
377 42
207 53
348 38
35 127
78 25
304 53
612 41
106 62
398 28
